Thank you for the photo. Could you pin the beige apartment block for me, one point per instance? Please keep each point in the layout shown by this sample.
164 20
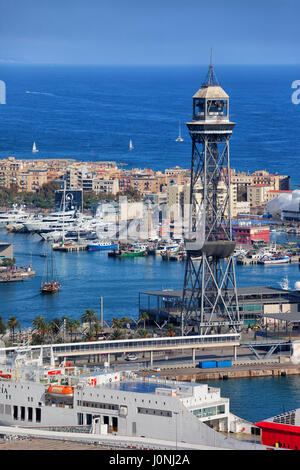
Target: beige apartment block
108 186
276 181
145 184
175 200
241 180
221 196
257 194
272 193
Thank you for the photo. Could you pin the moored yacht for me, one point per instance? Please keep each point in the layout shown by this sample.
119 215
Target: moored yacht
50 222
15 215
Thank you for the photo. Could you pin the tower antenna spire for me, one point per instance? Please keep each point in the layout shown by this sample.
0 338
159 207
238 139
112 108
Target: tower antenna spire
211 78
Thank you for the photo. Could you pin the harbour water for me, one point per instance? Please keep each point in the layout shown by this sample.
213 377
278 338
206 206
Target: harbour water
87 276
259 398
91 113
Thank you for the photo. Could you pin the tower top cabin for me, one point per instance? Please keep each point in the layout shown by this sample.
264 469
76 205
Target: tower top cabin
211 102
210 107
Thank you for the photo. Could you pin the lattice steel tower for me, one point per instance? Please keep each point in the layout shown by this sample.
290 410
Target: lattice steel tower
209 293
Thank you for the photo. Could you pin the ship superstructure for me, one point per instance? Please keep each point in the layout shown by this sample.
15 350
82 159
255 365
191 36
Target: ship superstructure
49 396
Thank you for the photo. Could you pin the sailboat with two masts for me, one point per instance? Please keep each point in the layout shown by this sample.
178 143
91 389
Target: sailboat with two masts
51 284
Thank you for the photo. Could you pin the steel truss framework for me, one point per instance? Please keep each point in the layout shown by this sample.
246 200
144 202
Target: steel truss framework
209 293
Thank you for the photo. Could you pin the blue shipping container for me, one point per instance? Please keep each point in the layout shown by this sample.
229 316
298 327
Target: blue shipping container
207 364
224 363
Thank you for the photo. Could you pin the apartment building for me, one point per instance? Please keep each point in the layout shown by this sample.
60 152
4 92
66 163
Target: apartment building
221 196
257 194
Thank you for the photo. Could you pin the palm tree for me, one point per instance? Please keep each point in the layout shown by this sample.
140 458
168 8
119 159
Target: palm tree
54 327
144 316
117 333
89 316
12 325
41 325
2 327
125 321
76 325
116 323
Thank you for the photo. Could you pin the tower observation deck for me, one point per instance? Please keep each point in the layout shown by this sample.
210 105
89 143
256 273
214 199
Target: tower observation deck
209 292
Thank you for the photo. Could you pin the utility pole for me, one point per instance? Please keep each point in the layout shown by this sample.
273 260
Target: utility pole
101 311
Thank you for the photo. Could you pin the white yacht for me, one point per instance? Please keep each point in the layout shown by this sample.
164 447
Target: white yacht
50 222
15 215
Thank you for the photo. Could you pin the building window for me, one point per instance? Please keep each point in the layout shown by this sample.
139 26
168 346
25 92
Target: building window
38 415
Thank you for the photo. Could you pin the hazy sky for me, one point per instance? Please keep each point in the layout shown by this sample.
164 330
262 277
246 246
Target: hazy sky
150 31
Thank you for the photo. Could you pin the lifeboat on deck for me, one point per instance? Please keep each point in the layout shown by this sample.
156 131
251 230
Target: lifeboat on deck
60 391
5 376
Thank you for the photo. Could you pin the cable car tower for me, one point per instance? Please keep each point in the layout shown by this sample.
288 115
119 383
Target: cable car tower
209 292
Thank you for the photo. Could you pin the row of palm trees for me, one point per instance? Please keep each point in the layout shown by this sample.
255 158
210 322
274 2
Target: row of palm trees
62 329
87 328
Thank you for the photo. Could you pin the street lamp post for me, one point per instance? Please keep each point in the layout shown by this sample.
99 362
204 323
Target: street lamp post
176 413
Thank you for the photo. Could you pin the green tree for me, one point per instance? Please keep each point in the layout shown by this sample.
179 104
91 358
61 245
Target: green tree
2 327
144 316
116 323
12 325
89 316
54 327
76 326
40 324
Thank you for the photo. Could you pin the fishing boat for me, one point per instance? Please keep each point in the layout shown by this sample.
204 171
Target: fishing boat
130 252
277 259
179 138
100 245
131 147
34 148
51 284
133 253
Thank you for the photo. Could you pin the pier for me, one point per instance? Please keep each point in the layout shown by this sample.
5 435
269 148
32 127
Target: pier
69 247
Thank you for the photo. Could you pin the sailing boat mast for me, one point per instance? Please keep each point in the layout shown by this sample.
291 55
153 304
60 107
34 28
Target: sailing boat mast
179 138
64 208
51 285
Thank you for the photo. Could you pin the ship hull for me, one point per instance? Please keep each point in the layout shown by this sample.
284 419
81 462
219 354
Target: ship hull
102 247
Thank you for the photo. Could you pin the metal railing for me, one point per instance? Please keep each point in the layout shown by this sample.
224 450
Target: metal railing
143 344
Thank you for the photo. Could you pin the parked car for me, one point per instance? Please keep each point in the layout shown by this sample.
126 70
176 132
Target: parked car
131 357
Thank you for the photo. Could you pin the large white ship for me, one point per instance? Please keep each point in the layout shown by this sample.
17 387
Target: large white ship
121 403
50 222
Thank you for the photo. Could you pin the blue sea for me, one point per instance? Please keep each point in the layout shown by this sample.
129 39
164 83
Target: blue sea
91 113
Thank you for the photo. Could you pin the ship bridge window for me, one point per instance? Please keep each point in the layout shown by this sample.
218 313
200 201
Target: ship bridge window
210 411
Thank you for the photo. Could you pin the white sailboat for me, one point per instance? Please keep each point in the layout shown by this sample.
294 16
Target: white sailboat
131 147
34 148
179 138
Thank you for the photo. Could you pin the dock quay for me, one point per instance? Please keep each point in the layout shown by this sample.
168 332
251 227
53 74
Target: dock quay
246 261
238 370
69 247
15 275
